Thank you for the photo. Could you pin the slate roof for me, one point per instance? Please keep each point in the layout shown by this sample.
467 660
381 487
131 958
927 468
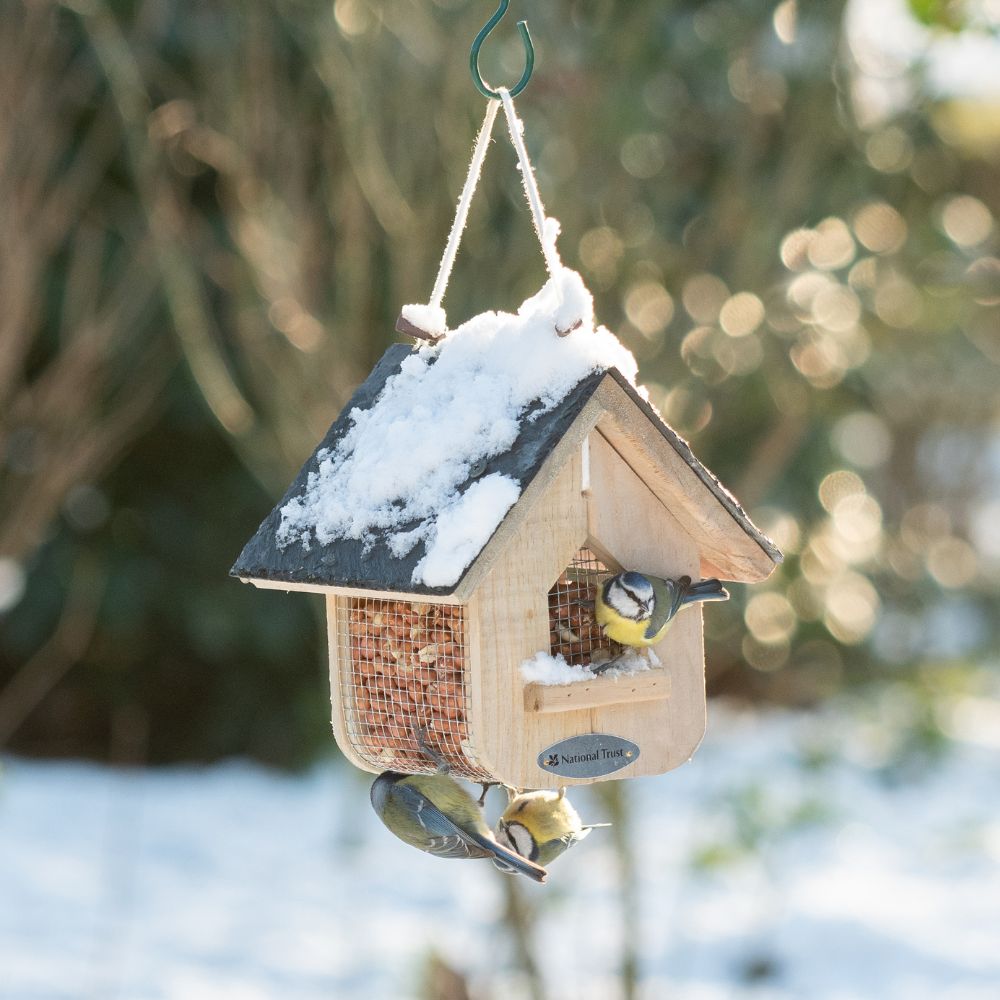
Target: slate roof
345 563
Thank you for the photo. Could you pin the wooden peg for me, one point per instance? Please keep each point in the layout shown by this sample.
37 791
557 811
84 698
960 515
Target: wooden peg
408 329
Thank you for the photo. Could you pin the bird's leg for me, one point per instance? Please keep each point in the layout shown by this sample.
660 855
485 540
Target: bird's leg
442 764
606 665
486 786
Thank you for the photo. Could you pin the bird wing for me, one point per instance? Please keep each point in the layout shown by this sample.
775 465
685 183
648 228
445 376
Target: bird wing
669 594
445 839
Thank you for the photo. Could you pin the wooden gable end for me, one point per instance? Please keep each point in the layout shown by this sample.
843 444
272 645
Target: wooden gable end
731 546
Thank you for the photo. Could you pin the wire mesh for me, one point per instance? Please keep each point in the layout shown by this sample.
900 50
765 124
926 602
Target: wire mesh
406 674
573 631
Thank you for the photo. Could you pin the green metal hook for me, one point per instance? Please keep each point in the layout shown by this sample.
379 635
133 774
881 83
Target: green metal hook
529 52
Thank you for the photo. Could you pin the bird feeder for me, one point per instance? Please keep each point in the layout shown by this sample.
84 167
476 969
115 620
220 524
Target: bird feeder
605 485
439 593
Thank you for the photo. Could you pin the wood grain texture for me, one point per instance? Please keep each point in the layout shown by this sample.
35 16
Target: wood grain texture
509 622
727 539
336 623
631 524
649 685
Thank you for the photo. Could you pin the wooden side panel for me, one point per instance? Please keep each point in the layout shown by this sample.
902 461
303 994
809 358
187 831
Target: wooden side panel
336 623
509 622
627 521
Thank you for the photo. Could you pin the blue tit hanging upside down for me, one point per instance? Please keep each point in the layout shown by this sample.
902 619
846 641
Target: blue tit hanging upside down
637 610
434 813
542 825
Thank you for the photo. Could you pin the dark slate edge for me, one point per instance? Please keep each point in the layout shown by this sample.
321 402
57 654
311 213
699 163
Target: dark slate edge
262 559
709 478
344 563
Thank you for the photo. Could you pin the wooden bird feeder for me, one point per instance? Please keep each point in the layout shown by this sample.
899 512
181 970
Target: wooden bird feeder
605 485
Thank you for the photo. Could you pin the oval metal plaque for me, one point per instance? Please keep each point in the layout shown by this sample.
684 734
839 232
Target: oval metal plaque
588 756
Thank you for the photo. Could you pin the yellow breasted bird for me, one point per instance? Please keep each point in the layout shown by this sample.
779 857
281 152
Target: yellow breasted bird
434 813
637 610
541 825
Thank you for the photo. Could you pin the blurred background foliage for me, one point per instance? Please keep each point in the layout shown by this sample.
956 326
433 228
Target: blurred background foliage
211 214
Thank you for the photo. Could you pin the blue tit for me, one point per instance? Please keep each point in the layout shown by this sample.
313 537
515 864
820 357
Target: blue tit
541 825
434 813
637 610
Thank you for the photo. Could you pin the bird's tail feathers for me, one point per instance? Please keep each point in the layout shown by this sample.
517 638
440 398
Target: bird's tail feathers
507 860
704 590
512 863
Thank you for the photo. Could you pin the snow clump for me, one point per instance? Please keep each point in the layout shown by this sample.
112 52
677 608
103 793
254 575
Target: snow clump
543 668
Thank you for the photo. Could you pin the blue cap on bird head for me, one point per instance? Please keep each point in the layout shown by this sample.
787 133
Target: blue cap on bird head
638 584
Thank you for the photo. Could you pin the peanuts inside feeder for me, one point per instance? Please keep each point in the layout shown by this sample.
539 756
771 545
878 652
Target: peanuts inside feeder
404 672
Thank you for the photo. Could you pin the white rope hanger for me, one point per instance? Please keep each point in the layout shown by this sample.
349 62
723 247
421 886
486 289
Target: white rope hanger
462 213
429 321
516 128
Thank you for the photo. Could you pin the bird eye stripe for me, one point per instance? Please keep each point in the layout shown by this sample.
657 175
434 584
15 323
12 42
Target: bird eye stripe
523 841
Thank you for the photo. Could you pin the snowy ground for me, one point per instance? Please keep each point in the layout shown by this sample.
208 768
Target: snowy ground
781 850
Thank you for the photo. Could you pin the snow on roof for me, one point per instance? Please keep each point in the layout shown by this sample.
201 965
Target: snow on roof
400 473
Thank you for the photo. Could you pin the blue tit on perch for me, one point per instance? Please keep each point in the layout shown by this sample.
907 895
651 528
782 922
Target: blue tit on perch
542 825
638 610
434 813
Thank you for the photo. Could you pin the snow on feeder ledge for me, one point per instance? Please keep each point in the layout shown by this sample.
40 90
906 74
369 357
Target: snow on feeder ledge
468 487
